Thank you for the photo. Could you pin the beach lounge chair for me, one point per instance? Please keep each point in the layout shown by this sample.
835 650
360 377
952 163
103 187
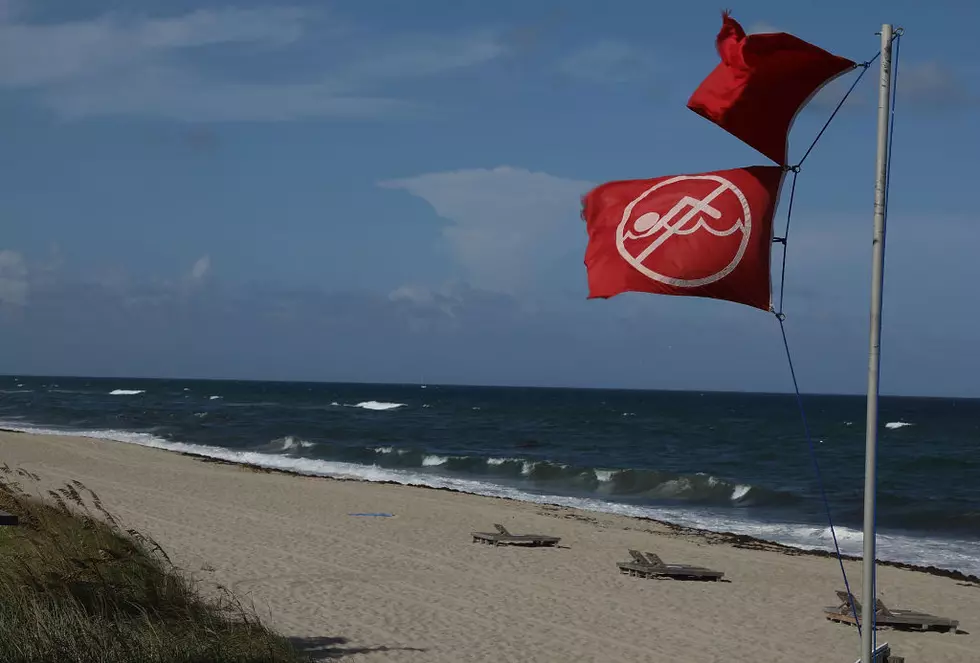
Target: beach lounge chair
651 566
8 519
844 608
503 538
889 618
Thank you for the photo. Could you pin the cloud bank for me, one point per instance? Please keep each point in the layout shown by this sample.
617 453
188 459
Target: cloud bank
132 64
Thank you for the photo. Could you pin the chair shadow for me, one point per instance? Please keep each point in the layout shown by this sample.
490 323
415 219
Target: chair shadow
326 648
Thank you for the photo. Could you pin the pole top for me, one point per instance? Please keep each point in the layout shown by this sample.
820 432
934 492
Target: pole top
899 31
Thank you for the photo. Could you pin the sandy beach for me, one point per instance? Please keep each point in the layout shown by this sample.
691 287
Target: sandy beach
413 587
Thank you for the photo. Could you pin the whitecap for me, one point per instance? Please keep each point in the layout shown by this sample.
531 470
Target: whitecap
377 405
895 425
126 392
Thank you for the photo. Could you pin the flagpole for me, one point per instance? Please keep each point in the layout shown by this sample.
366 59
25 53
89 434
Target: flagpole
877 279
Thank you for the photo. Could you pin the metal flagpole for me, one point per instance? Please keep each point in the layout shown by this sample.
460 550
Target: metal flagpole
877 278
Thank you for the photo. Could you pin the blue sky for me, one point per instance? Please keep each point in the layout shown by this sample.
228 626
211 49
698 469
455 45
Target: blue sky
389 191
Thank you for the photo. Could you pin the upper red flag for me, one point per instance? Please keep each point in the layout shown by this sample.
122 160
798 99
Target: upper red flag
761 83
704 235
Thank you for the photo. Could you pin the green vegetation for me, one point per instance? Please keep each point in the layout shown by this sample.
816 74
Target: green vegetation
77 588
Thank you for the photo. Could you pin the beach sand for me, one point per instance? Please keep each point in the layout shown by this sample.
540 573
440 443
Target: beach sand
414 587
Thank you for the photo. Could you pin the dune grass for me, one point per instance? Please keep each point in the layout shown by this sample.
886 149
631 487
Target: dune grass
75 587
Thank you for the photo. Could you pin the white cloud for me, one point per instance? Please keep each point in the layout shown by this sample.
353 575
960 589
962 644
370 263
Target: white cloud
505 223
37 55
415 294
201 268
426 309
929 269
274 25
152 66
928 85
933 84
14 286
178 95
762 27
427 56
608 61
827 98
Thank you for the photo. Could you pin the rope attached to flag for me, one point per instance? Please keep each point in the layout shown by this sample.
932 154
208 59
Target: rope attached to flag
781 316
796 171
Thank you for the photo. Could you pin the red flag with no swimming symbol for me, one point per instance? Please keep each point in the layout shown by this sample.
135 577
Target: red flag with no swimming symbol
703 235
761 83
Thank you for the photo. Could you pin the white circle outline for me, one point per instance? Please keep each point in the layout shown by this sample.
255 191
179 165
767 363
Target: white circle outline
686 283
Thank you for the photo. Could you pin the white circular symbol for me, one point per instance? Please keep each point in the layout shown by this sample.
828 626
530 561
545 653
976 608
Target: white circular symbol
683 216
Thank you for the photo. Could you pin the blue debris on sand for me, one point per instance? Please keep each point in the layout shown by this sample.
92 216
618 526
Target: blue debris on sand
380 515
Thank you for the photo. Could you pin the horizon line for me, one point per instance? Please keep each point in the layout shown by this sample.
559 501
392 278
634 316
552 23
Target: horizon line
464 385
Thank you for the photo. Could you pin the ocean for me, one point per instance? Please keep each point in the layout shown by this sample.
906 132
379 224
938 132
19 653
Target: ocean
727 462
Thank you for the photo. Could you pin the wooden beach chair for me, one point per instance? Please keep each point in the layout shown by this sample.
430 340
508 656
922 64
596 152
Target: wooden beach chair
504 538
651 566
888 618
8 519
843 612
844 608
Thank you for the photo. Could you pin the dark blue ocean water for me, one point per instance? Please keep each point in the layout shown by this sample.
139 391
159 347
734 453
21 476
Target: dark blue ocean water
720 461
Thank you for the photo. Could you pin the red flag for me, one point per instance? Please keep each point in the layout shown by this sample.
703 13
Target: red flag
704 235
761 83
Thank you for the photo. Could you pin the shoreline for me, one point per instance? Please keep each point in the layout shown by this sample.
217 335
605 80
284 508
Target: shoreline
732 539
713 537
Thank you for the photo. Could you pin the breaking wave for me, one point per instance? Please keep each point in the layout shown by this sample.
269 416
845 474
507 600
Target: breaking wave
290 443
126 392
542 474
